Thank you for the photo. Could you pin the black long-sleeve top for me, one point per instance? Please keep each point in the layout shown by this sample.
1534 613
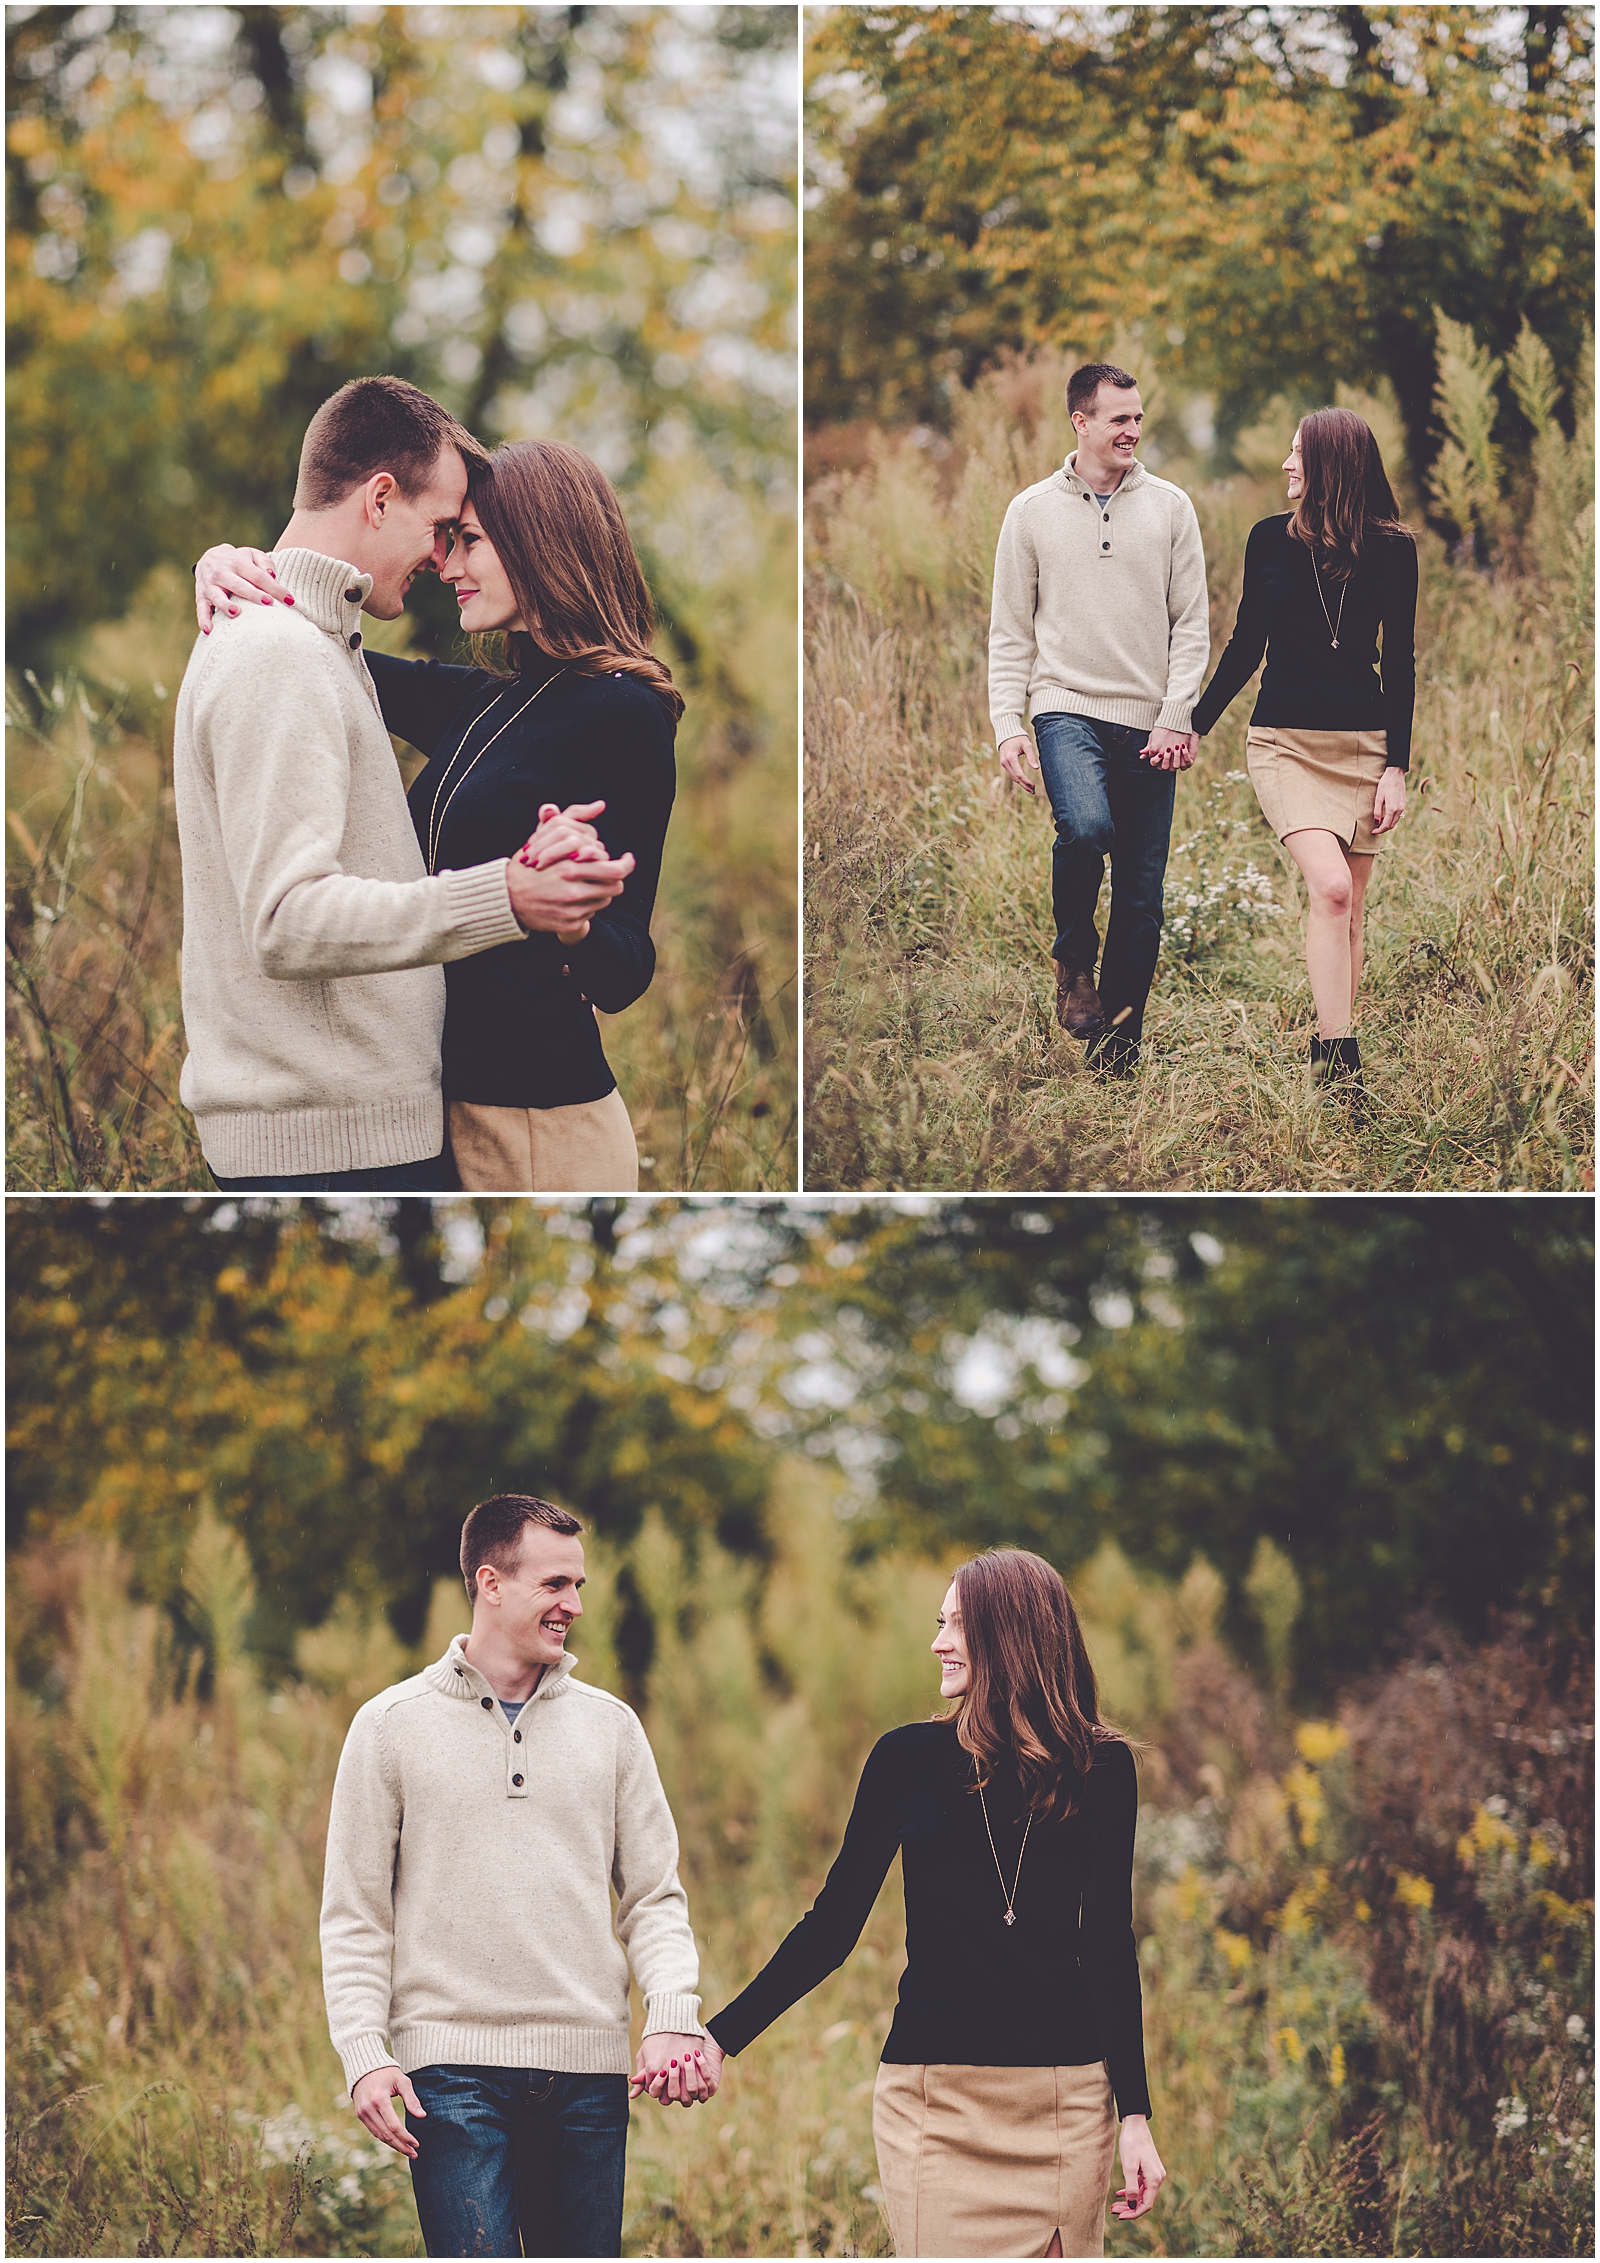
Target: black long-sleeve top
1307 685
1060 1987
519 1029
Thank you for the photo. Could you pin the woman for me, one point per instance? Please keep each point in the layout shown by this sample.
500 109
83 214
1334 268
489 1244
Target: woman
1329 743
1018 2020
566 705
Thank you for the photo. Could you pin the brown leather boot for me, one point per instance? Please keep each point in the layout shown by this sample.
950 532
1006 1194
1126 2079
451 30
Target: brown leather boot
1078 1007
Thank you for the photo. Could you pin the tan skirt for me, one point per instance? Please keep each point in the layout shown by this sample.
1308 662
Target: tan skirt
1318 781
587 1149
995 2160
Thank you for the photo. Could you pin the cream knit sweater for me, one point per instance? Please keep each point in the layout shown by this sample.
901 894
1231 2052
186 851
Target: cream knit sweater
466 1904
313 999
1099 609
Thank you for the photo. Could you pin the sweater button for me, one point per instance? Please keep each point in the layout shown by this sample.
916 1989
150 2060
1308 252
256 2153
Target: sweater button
352 596
355 641
517 1780
1105 546
516 1736
487 1703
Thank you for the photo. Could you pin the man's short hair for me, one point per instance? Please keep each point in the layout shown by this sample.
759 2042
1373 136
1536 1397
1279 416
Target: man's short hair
376 424
1084 383
493 1532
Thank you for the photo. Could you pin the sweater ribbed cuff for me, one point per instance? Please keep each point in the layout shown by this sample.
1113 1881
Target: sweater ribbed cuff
1174 715
666 2014
480 907
1008 727
364 2056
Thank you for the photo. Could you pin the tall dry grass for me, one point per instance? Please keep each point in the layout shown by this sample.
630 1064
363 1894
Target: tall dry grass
933 1057
94 1043
1365 1943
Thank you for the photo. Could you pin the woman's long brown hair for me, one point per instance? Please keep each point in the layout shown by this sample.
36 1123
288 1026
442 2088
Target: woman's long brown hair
1030 1698
1345 494
558 531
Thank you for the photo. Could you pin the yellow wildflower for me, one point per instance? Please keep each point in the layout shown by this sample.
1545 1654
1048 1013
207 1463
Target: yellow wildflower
1487 1836
1290 2045
1416 1893
1305 1790
1336 2067
1235 1947
1540 1852
1561 1913
1363 1912
1189 1893
1318 1741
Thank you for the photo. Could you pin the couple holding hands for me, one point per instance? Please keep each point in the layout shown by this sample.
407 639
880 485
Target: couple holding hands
487 1810
1099 637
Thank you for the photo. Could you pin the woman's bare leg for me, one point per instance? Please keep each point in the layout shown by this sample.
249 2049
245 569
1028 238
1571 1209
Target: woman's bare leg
1326 871
1360 874
1055 2244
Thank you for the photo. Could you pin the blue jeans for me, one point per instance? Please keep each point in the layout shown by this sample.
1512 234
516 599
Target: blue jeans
520 2161
436 1175
1107 803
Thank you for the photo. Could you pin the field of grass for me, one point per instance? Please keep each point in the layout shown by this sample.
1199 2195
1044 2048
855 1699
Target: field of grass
933 1059
94 1034
1365 1941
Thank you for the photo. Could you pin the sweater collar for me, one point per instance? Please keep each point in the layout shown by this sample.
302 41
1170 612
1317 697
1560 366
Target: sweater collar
454 1675
328 592
1134 476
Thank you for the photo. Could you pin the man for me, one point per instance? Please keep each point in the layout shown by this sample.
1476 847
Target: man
482 1814
313 939
1100 633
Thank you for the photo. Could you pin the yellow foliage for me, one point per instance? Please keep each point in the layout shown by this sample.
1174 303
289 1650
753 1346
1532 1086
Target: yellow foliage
1336 2067
1289 2043
1412 1891
1235 1948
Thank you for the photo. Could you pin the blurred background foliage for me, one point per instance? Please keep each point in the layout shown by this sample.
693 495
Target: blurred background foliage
1357 1650
1262 199
1396 1396
567 222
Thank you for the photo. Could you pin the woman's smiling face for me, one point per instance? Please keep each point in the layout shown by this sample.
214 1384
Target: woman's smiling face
949 1646
474 572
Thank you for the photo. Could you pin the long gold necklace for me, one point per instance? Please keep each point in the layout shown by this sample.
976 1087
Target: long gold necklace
436 815
1333 628
1010 1917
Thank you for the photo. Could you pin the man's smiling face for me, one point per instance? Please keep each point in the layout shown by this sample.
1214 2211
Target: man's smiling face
414 530
1109 432
537 1600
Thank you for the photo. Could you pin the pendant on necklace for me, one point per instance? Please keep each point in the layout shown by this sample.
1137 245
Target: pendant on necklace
1011 1917
1336 644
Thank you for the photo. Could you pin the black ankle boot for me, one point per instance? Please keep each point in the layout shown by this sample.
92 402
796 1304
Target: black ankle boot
1337 1061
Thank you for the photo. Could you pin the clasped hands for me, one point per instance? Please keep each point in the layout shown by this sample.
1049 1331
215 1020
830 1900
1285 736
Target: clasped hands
1163 750
561 876
677 2070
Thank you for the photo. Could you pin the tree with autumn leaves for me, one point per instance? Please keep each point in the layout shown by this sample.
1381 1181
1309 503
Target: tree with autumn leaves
569 220
1397 1396
1261 199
